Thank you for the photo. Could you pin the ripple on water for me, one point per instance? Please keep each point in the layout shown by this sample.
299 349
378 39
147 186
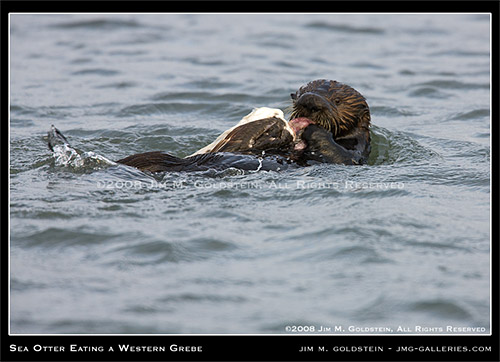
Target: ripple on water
369 65
442 309
476 114
97 24
174 248
450 149
355 254
118 85
215 97
351 245
57 237
21 123
211 83
56 112
376 310
429 92
389 147
453 84
203 297
96 71
152 252
170 108
389 111
430 245
344 28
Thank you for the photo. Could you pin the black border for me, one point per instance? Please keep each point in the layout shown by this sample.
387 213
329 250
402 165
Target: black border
250 348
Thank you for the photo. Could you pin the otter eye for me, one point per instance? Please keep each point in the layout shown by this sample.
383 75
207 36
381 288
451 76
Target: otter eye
337 101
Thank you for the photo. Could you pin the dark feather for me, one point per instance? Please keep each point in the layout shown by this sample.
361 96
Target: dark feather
257 136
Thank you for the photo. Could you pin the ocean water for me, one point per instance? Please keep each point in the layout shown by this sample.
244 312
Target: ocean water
401 242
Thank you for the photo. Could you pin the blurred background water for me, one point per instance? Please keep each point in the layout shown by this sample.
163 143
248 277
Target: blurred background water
403 241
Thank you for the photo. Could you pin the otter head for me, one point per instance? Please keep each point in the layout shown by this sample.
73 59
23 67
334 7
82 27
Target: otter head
334 106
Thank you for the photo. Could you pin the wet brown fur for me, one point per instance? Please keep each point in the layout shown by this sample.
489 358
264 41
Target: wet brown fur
336 107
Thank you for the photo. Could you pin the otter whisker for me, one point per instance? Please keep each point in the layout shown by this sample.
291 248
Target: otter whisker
290 109
326 121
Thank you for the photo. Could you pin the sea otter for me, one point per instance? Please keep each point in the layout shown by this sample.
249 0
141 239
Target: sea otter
340 134
342 119
329 123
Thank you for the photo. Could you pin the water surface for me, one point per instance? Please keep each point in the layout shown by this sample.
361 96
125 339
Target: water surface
402 241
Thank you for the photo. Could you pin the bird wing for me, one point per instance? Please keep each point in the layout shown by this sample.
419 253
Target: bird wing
255 115
255 136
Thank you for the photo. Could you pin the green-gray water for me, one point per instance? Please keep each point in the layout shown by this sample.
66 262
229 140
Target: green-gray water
403 241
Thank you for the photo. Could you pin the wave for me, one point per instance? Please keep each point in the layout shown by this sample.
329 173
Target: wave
98 24
390 147
344 28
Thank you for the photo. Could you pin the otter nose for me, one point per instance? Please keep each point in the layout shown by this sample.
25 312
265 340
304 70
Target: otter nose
312 102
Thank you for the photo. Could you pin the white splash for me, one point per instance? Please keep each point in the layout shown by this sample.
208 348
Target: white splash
67 156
